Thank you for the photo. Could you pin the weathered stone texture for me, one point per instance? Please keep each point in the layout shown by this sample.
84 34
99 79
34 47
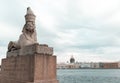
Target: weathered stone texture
35 68
28 36
46 71
0 76
32 49
17 69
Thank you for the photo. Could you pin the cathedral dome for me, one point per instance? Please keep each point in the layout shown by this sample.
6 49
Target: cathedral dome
72 60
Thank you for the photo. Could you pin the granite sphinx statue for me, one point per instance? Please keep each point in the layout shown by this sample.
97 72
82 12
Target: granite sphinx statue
28 36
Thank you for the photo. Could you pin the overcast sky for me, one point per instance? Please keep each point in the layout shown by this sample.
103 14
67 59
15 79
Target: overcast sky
87 29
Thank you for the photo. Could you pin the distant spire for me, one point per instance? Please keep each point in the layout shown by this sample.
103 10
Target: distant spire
29 11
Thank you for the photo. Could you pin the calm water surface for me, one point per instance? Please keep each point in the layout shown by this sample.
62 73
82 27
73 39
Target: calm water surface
88 75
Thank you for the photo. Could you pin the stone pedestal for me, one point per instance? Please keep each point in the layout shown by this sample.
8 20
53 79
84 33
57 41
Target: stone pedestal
33 66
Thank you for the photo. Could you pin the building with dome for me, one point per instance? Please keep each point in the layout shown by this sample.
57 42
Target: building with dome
73 64
72 59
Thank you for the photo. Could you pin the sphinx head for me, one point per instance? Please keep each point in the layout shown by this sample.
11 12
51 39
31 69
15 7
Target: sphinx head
29 28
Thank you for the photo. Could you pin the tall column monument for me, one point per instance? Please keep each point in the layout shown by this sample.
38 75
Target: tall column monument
27 61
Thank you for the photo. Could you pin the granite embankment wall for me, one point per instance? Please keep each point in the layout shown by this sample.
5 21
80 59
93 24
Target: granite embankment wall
0 74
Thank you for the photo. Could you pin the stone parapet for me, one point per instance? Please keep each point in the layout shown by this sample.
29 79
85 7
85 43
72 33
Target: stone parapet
32 49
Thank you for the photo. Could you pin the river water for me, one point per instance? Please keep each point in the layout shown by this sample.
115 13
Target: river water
88 75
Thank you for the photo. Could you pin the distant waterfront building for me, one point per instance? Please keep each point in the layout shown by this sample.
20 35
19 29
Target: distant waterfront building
62 66
71 65
88 65
119 64
109 65
95 65
101 65
72 60
85 65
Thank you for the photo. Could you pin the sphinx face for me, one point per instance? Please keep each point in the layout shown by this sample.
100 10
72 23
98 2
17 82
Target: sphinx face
30 27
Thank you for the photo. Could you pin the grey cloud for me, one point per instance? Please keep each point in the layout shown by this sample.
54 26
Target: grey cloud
90 35
3 43
12 12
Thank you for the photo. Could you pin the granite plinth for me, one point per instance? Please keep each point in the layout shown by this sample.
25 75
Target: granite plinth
0 76
33 67
32 49
30 68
